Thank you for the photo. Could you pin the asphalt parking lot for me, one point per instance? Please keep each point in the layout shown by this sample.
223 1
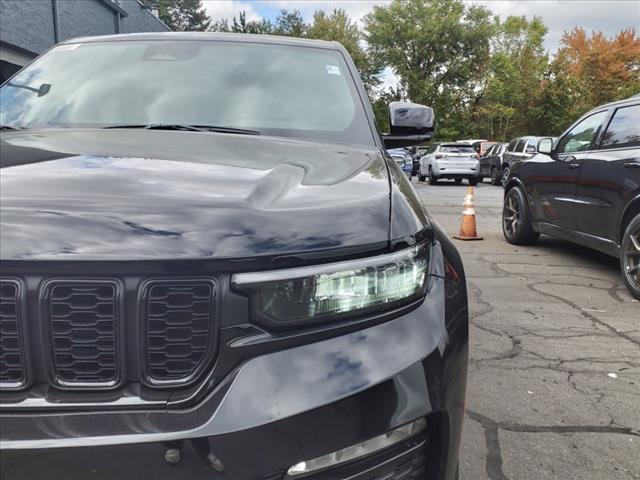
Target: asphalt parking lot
554 373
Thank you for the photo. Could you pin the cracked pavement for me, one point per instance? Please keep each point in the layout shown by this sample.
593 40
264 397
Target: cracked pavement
554 371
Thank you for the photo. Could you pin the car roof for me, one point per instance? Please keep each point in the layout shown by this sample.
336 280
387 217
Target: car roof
632 99
526 137
209 36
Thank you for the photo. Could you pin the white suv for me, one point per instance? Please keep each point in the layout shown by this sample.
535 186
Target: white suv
450 160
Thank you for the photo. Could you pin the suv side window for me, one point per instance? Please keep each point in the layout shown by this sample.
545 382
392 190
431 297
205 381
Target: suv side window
520 145
623 129
511 147
531 145
580 137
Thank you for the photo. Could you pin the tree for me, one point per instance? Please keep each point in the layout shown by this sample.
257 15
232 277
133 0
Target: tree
589 71
183 15
510 100
290 23
440 50
242 25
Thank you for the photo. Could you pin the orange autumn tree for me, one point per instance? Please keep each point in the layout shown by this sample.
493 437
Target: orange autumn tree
591 70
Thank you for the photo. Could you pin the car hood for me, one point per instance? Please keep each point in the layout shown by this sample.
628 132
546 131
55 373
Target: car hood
139 194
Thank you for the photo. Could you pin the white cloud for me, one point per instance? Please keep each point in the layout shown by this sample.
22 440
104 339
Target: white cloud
227 9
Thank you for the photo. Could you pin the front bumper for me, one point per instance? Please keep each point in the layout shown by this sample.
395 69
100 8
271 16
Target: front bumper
278 410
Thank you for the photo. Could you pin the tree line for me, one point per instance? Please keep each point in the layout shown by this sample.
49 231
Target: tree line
484 76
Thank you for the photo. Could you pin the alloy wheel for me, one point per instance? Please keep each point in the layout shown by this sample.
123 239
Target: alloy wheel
631 258
505 176
511 215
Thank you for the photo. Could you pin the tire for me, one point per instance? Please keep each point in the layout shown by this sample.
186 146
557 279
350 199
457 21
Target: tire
433 180
505 175
516 219
495 177
630 257
473 181
422 178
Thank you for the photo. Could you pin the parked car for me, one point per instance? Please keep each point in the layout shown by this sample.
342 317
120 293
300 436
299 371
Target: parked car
455 161
491 163
403 159
222 259
415 159
584 188
519 149
477 143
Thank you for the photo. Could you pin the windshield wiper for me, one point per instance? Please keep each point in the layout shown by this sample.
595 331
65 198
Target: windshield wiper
188 128
9 127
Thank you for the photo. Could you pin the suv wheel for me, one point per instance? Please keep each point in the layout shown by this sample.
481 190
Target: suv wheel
505 175
516 219
495 177
630 257
432 178
422 178
473 181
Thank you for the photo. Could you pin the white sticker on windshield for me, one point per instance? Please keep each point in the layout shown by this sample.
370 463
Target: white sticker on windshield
333 70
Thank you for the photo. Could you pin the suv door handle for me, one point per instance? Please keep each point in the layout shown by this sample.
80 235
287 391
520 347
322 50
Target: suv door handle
573 166
632 165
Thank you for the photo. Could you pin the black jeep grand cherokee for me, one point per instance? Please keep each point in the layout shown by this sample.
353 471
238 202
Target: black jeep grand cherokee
212 269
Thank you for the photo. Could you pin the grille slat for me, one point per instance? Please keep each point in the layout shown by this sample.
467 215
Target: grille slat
12 368
178 320
83 324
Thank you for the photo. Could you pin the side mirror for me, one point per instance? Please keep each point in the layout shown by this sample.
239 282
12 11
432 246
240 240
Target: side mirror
410 123
545 145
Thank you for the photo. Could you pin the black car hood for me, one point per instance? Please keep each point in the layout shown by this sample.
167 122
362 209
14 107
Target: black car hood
138 194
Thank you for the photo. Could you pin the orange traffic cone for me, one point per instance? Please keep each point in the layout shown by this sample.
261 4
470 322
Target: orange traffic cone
468 226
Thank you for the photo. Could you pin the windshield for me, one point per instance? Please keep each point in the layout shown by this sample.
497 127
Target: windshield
279 90
457 149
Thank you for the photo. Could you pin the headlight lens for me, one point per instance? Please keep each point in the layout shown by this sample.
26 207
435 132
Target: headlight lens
285 297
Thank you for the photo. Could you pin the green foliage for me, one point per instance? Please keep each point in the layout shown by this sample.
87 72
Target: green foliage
440 49
242 25
290 24
183 15
510 98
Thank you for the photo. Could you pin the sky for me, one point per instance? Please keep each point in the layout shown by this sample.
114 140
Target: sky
608 16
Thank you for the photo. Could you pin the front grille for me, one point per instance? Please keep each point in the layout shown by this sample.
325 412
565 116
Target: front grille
12 369
83 325
105 337
178 320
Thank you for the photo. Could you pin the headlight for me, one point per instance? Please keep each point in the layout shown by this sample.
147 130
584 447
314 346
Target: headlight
336 290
